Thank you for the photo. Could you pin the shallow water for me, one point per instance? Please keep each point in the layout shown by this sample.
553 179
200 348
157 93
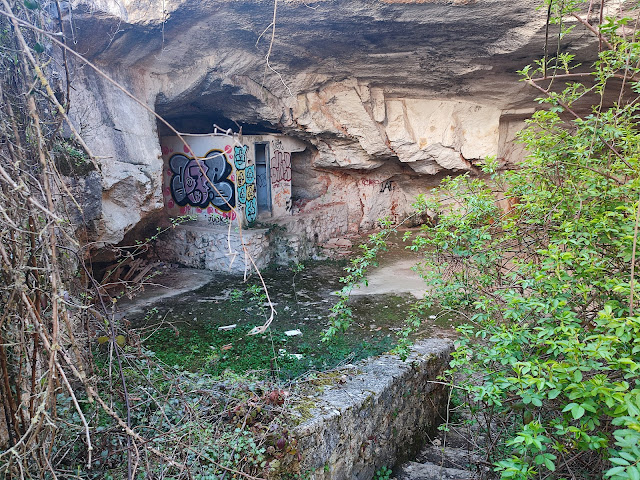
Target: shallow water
190 337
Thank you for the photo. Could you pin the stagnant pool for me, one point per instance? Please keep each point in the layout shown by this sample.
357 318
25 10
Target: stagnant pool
206 329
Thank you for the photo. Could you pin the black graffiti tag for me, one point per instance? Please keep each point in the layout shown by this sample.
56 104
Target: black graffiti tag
387 185
204 184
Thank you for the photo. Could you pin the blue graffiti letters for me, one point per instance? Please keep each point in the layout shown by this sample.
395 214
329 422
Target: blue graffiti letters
252 210
240 156
242 194
250 174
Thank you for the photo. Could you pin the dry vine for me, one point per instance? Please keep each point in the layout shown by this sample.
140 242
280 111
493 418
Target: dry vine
71 407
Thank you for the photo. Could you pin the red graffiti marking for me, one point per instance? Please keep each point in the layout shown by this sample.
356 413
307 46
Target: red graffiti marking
231 215
280 167
165 150
370 181
214 213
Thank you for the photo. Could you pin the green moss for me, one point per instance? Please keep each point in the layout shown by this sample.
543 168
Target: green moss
304 408
71 160
193 341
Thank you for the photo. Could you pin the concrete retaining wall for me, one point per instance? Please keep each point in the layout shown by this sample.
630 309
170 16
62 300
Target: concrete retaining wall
287 240
380 416
208 248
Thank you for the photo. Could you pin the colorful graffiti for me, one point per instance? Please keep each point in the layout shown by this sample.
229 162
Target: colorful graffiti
280 167
228 178
385 185
202 183
246 183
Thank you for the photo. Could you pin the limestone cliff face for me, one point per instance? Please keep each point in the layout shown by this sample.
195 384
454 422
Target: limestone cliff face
399 91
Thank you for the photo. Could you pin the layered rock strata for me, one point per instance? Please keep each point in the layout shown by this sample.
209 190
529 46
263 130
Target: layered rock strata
389 95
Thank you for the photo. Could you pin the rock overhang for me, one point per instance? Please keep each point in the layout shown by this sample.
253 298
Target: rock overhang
442 47
414 88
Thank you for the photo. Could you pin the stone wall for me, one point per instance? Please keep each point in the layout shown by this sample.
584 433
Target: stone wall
380 416
218 249
212 247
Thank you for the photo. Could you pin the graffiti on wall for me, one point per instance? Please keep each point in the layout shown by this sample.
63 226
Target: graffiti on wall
283 198
246 182
202 183
387 185
280 167
217 220
369 181
280 176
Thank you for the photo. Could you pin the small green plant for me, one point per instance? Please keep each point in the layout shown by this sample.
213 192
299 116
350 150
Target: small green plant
236 295
71 159
383 473
341 313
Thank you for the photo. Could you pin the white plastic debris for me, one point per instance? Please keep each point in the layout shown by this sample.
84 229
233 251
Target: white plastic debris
228 327
293 333
432 317
283 353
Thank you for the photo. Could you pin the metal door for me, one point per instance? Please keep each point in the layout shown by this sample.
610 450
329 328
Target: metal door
263 178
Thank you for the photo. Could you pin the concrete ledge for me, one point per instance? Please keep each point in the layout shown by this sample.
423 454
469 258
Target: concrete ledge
290 239
380 416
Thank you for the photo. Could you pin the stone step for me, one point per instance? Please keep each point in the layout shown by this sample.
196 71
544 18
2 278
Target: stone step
431 471
449 457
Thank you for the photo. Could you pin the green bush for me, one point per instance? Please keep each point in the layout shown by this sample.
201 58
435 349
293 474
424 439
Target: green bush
549 285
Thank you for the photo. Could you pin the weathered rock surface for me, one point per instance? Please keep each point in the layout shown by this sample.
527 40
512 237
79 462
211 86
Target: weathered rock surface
381 89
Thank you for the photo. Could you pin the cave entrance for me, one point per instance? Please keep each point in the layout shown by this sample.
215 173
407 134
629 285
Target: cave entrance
263 178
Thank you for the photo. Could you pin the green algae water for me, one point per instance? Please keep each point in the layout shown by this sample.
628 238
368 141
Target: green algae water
207 329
